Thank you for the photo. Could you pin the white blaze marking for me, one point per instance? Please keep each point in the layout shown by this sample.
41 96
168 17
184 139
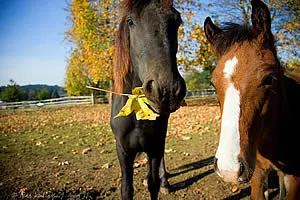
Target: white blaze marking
229 145
230 67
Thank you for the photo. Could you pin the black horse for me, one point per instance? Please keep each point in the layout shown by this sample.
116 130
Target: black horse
146 47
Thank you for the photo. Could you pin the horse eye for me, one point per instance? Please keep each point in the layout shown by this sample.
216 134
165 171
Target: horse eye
130 22
267 80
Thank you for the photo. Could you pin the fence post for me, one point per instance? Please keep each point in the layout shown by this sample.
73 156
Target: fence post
92 98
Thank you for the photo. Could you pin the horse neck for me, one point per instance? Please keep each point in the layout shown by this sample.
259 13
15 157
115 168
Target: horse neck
276 121
289 98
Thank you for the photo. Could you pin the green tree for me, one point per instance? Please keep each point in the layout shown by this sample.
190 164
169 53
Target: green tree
54 94
196 80
30 95
12 93
43 94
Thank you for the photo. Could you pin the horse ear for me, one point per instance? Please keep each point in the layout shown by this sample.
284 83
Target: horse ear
210 29
260 17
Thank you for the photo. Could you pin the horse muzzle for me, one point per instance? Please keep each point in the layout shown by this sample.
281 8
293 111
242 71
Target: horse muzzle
242 175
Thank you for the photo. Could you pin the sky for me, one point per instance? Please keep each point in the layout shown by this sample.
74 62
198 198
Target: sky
32 46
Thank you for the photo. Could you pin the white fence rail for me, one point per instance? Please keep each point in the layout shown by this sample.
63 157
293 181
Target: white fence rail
72 100
200 93
77 100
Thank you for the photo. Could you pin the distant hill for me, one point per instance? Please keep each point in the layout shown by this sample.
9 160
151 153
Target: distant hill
61 91
31 92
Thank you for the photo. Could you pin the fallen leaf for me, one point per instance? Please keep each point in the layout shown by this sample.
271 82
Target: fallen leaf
168 150
234 189
85 151
74 152
186 137
22 191
99 144
106 166
102 151
186 154
54 158
139 163
64 163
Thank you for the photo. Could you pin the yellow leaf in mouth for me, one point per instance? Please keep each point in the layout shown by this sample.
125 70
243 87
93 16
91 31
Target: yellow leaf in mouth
137 102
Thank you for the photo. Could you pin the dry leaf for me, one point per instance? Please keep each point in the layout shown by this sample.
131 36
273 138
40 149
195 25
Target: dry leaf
139 163
106 166
234 189
85 151
168 150
22 191
137 102
64 163
55 158
186 137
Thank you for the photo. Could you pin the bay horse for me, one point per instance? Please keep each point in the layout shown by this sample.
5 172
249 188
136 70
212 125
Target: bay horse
259 103
145 55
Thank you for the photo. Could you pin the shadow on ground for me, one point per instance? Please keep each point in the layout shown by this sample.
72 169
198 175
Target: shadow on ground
190 167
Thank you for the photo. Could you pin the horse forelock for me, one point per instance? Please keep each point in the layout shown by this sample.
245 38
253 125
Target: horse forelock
129 4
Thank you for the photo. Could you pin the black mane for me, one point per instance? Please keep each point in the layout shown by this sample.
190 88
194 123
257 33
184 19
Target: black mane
232 34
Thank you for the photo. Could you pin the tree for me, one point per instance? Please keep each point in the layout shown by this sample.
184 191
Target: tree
285 21
91 35
30 95
77 77
54 94
12 93
43 94
196 80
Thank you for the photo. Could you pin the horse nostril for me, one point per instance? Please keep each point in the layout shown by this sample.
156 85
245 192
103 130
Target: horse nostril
149 86
242 169
244 174
181 89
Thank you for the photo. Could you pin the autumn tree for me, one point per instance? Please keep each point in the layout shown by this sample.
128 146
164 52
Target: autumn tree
77 76
285 22
93 24
195 55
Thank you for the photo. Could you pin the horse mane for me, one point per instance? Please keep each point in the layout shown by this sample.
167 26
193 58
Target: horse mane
233 33
122 64
129 4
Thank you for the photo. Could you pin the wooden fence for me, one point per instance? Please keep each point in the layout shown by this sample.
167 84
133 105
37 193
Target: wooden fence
200 93
78 100
72 100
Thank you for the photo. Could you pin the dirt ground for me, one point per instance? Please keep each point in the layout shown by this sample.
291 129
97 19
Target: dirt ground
69 153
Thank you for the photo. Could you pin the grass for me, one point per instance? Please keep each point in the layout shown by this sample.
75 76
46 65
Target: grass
72 148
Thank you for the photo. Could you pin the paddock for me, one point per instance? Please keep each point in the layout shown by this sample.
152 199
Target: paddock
69 151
